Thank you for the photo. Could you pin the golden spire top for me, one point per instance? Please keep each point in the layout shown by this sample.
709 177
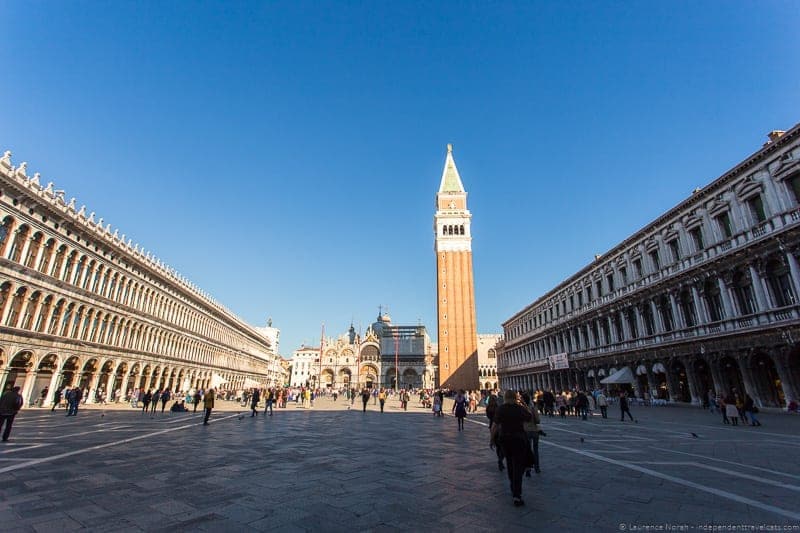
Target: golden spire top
449 148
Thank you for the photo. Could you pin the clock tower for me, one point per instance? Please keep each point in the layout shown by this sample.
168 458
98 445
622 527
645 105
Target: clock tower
455 291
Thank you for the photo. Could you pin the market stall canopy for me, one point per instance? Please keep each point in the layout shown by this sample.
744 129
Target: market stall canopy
624 375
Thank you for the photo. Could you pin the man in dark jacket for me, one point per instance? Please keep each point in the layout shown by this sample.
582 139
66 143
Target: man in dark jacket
10 404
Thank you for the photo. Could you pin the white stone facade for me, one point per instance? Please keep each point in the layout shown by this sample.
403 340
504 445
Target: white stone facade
80 305
702 300
487 359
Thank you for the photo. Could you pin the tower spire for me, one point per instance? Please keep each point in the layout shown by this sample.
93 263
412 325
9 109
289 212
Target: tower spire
451 181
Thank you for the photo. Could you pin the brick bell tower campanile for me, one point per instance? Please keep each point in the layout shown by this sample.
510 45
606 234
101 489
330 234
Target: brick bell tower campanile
455 291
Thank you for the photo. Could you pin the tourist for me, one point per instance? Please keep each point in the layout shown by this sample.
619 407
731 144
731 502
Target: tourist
254 399
74 401
730 409
581 405
460 408
473 402
364 399
561 404
602 403
533 429
508 425
43 396
751 410
437 404
712 401
165 396
146 399
269 400
624 407
154 401
135 398
549 401
57 399
382 398
404 399
208 404
723 408
196 399
491 410
10 404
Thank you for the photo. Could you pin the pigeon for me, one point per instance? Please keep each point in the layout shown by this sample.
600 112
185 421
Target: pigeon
695 435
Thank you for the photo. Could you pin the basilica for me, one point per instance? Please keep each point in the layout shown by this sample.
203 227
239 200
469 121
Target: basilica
386 356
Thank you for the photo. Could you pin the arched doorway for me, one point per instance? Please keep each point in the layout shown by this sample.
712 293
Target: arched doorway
344 377
410 379
18 369
326 378
102 385
731 376
681 382
69 372
87 374
144 382
368 376
660 377
766 382
44 378
390 378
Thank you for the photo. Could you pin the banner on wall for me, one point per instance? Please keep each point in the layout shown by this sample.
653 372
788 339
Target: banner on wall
559 361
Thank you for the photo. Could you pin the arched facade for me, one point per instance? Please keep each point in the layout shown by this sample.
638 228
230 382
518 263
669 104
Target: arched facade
81 306
705 299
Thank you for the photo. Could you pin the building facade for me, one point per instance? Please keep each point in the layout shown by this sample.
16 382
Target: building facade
387 356
81 306
487 359
704 298
455 290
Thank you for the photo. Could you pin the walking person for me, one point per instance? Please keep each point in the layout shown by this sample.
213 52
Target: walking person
154 401
269 400
602 403
460 408
364 399
624 407
723 408
196 399
165 396
74 401
382 398
730 409
146 399
437 404
533 430
10 404
208 404
473 402
491 410
57 399
508 425
751 410
581 405
405 397
254 402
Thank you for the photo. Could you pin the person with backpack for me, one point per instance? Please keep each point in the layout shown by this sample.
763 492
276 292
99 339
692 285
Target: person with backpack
508 424
208 404
10 404
74 401
602 403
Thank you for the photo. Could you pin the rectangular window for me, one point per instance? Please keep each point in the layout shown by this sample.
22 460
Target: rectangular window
580 299
674 249
756 205
724 223
697 238
654 259
599 287
637 267
589 293
623 274
610 282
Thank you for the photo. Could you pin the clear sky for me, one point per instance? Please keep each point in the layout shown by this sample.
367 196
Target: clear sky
285 155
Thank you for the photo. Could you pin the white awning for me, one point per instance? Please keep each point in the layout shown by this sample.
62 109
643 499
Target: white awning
601 373
658 368
621 376
641 370
216 380
590 374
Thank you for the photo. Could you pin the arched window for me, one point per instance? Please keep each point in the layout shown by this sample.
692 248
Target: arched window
687 308
462 229
58 263
20 237
743 293
16 307
71 261
780 284
665 309
444 230
55 317
79 270
64 329
33 249
44 262
44 312
5 231
713 300
30 309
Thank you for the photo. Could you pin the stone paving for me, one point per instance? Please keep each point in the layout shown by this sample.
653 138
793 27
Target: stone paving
335 469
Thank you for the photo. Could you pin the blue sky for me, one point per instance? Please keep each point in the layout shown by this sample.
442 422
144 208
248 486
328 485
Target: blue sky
285 156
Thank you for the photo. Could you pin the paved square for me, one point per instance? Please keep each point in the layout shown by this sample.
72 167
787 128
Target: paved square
336 469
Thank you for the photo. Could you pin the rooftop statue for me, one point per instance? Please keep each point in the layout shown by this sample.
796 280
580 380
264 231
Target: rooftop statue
23 167
82 211
72 204
6 159
49 188
35 179
91 218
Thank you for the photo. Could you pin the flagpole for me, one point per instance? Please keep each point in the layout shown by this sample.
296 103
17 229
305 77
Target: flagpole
321 345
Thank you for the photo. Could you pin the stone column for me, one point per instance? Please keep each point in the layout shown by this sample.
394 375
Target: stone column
93 387
27 387
758 289
694 387
747 378
716 375
726 296
657 319
626 327
3 378
51 389
677 315
791 390
795 272
699 308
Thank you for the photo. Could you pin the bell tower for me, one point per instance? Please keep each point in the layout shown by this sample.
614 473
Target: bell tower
455 291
